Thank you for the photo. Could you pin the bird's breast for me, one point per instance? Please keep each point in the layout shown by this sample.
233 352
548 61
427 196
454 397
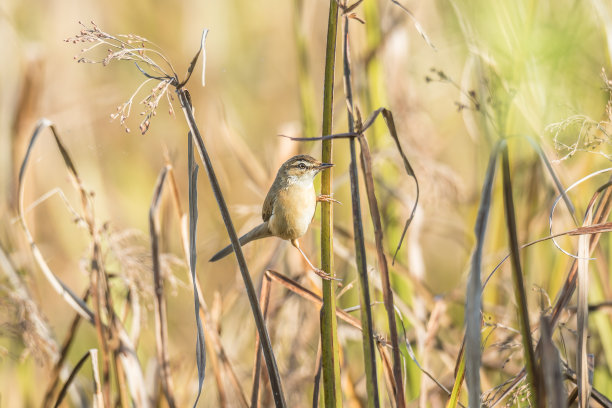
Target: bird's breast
293 211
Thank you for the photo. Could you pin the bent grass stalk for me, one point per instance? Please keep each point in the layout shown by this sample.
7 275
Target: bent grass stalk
123 48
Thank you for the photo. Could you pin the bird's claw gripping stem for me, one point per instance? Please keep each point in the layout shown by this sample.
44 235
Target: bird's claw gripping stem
327 199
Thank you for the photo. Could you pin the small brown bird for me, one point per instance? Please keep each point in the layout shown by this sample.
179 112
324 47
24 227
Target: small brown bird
289 206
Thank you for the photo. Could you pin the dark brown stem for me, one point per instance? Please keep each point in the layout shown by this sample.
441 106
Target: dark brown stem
275 382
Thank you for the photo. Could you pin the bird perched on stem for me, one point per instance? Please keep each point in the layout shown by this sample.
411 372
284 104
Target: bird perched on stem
289 206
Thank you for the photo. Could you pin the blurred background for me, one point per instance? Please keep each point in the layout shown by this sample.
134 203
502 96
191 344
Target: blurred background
543 65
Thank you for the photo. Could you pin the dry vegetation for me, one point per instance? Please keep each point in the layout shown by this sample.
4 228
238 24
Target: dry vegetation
471 150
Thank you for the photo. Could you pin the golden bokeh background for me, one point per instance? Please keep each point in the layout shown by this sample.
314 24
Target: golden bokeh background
542 65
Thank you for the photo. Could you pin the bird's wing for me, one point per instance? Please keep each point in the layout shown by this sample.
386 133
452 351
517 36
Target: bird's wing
268 206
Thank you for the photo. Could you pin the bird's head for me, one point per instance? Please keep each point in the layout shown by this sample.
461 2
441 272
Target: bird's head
302 168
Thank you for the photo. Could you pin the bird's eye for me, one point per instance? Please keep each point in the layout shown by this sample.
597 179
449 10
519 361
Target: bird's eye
302 166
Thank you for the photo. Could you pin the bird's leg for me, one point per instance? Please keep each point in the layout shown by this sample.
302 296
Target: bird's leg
327 198
316 270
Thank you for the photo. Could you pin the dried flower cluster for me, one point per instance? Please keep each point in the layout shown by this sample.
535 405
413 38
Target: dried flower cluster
145 55
592 134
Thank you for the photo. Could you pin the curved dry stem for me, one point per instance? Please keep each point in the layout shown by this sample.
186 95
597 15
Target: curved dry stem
64 291
125 349
552 211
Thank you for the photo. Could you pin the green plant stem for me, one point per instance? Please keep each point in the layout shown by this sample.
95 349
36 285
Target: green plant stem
459 377
329 337
369 352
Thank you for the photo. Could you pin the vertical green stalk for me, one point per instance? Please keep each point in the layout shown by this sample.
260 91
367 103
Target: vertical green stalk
329 337
369 352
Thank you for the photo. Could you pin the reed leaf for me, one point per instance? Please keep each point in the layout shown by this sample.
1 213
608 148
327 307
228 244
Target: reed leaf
517 279
366 165
473 303
192 171
360 251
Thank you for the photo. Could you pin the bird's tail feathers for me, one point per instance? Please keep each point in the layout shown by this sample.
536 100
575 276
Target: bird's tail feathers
260 231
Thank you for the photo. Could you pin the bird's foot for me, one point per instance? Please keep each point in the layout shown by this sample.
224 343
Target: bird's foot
327 198
325 275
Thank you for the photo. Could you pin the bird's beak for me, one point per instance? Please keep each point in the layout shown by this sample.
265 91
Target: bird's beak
324 166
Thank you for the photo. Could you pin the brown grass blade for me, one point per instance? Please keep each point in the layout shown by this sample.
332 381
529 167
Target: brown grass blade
387 368
161 318
582 321
216 368
99 289
66 293
264 299
124 349
311 296
55 373
602 212
366 166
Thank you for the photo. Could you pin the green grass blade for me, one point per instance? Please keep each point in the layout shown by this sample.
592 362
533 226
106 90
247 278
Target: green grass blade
473 304
517 280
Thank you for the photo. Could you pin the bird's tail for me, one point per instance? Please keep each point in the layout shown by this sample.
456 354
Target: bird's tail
261 231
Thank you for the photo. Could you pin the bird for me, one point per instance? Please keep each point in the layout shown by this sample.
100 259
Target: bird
289 206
